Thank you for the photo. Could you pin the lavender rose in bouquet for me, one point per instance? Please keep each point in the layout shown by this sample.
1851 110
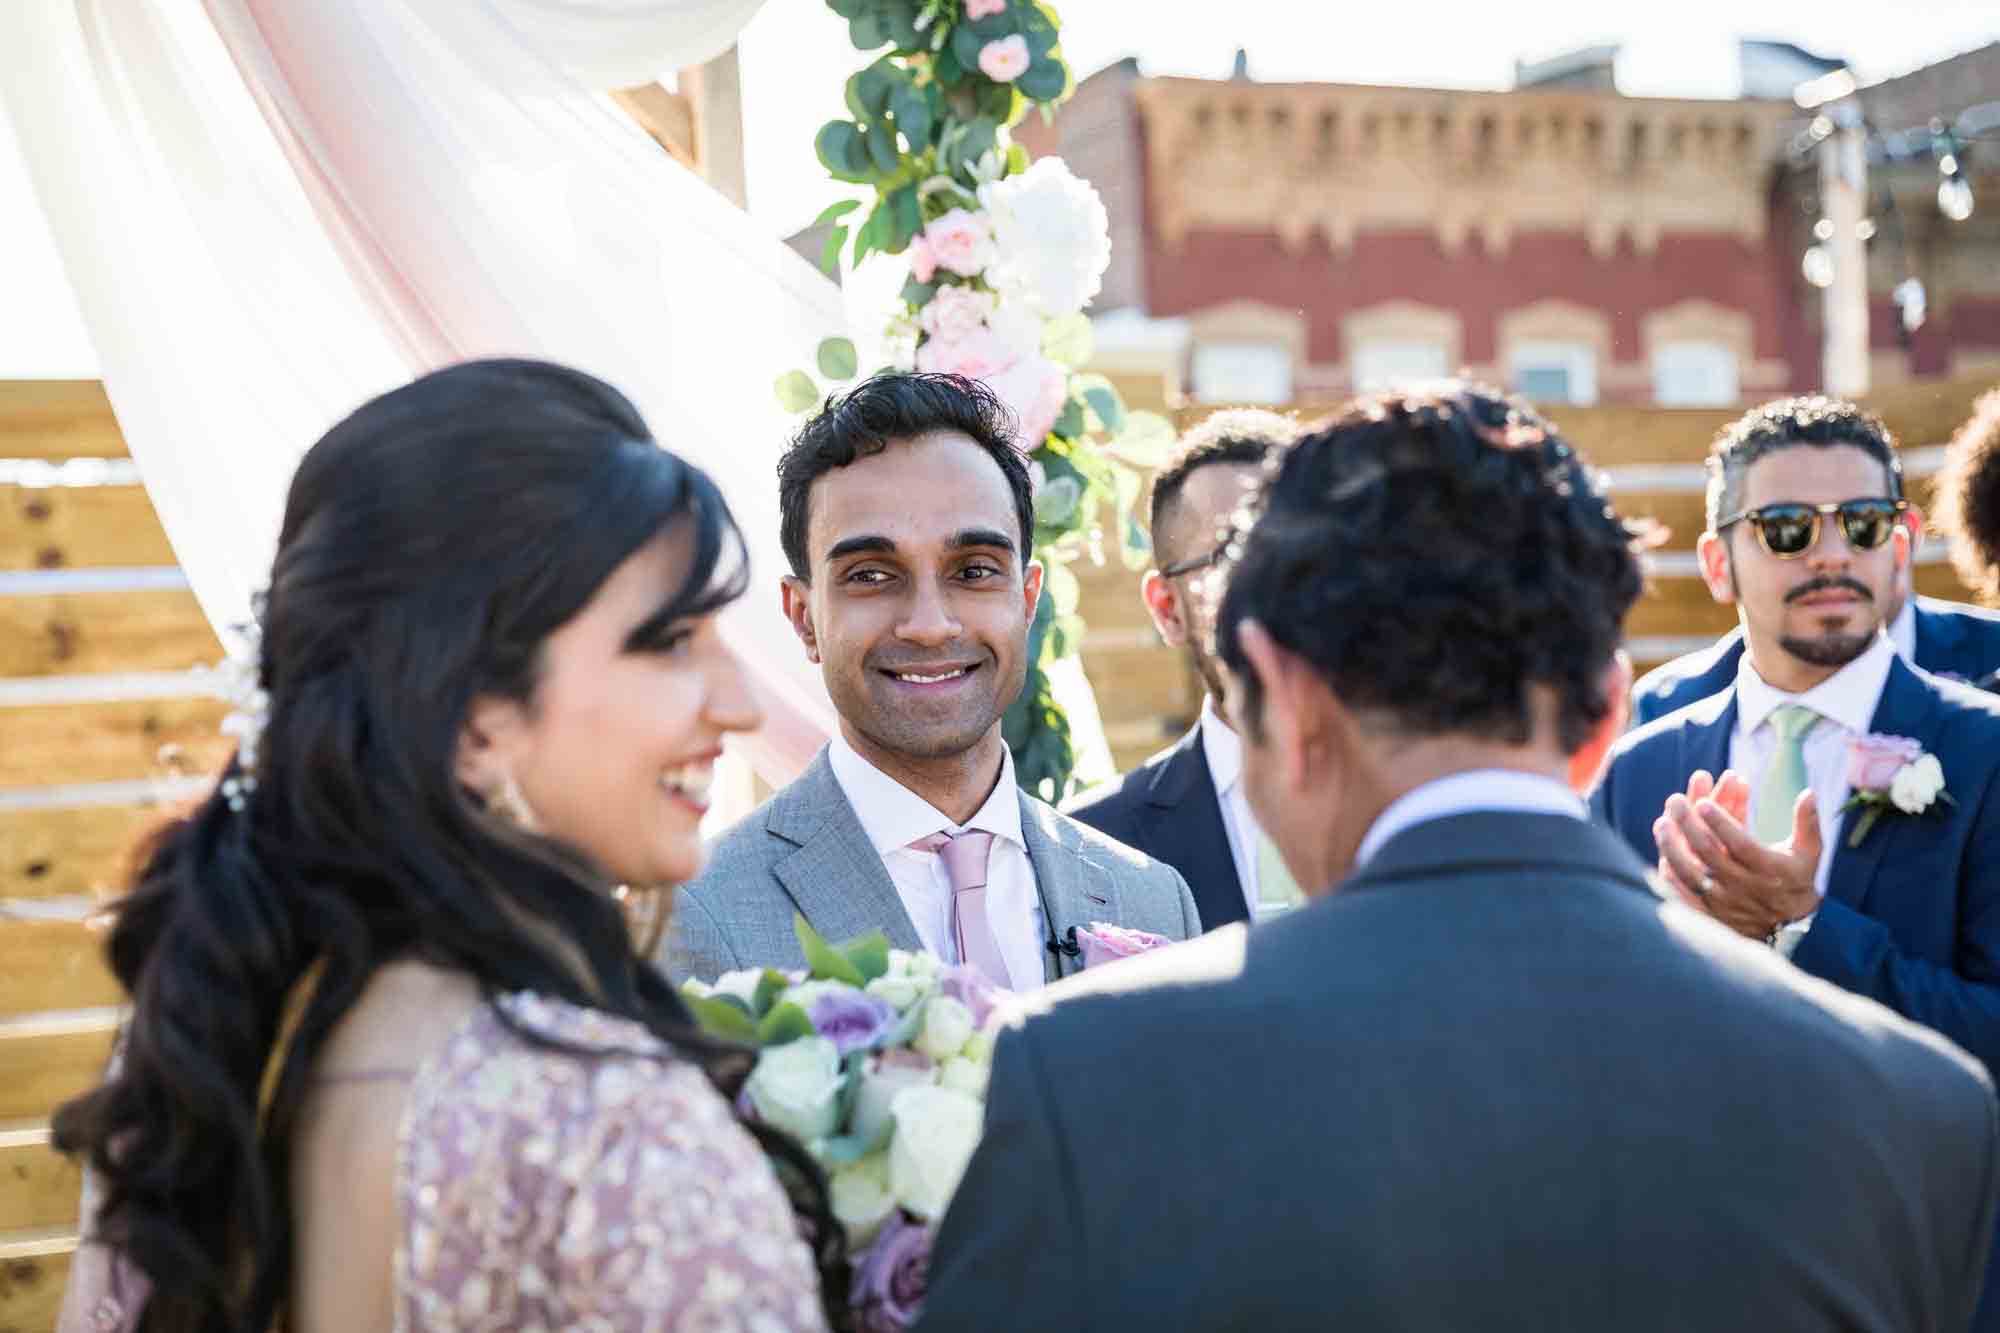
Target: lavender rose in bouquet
876 1059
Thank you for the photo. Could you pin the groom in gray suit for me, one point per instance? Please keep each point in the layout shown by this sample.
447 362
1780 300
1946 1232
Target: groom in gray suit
1489 1078
907 517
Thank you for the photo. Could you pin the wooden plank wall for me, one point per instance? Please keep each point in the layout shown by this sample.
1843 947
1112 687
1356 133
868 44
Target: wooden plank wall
1654 457
101 702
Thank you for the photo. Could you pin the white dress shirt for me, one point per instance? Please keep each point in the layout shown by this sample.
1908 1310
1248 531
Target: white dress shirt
1223 749
1903 631
1503 789
1846 700
893 817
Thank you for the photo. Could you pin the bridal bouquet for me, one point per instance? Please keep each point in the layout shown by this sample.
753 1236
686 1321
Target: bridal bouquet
876 1059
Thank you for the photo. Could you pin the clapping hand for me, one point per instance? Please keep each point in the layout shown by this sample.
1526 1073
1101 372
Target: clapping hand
1708 857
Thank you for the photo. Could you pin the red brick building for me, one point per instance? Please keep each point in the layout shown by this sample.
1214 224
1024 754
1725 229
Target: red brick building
1285 242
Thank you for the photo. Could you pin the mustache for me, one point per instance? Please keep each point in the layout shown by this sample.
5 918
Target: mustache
1828 583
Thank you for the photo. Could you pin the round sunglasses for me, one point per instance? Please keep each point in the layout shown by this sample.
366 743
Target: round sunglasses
1790 529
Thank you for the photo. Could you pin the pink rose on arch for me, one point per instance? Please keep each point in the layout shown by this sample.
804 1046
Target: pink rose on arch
977 356
1874 760
1005 59
923 259
1034 389
961 241
1103 942
983 9
956 312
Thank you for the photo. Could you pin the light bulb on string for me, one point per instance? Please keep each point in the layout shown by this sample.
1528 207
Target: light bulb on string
1817 265
1823 229
1954 197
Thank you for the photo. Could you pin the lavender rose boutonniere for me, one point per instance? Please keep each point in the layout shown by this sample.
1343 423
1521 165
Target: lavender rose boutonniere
1891 773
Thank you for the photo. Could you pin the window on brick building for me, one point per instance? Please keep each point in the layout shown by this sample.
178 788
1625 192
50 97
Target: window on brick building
1553 372
1242 372
1385 363
1695 374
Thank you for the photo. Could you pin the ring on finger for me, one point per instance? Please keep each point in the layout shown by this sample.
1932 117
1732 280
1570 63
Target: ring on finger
1704 886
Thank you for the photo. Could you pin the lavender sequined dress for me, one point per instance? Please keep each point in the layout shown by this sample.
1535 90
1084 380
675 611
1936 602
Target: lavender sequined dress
540 1189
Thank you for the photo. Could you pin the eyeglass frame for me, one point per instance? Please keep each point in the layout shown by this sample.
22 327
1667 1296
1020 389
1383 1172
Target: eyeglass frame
1194 563
1899 507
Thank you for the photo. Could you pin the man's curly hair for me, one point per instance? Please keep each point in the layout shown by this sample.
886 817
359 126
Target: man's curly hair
1432 555
1968 498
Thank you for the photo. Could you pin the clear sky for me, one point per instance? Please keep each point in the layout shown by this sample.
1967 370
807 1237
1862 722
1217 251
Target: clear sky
796 58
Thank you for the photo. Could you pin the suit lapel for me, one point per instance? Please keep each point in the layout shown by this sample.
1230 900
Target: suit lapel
1907 708
1069 896
1937 646
1708 746
836 878
1186 814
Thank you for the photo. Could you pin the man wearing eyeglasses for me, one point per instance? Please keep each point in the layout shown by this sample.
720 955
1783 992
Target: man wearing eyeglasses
1186 806
1744 799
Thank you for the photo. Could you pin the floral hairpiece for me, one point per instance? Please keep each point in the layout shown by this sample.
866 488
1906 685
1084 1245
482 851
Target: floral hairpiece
239 680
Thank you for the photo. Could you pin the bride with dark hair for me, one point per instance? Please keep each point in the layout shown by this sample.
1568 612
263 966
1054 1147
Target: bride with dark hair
393 1058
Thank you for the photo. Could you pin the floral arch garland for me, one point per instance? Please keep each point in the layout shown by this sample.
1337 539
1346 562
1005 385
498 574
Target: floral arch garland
1002 257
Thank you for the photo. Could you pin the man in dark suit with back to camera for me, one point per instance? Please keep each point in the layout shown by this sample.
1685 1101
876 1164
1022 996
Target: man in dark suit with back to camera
1488 1077
1186 805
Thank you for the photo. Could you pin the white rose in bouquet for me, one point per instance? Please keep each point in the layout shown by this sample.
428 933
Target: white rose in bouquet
796 1087
898 992
964 1075
1051 235
936 1132
947 1025
882 1078
861 1198
741 983
1018 328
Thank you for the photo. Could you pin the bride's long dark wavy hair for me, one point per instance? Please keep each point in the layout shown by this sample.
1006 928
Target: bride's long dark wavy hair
432 541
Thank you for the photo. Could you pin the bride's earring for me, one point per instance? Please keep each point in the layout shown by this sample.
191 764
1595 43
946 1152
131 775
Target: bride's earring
507 802
645 916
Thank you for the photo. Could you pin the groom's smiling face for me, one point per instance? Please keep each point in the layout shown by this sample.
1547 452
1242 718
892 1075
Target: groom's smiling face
920 598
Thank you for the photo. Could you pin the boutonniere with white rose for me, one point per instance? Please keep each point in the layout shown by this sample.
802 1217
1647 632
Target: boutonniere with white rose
876 1060
1891 774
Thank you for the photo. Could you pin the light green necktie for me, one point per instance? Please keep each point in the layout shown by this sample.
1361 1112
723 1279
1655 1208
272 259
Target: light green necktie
1785 776
1277 891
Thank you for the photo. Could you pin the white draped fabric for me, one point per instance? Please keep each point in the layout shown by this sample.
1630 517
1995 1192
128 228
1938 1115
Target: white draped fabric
271 211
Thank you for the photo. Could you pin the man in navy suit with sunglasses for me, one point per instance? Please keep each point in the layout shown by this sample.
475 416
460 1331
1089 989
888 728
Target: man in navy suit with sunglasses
1833 800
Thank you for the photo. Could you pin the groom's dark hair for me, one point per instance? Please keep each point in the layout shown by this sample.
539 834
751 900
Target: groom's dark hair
1431 555
895 406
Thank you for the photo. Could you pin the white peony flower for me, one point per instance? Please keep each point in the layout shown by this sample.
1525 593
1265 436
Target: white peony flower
797 1087
947 1025
936 1132
1917 785
1017 326
1052 237
861 1199
898 992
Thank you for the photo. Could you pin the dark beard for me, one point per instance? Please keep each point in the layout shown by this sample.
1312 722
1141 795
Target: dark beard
1831 650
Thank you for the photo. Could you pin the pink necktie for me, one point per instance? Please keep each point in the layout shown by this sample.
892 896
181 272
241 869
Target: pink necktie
965 858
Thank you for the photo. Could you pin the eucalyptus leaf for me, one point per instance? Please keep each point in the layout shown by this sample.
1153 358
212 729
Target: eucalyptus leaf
785 1023
946 68
919 293
838 359
965 46
826 962
882 147
722 1018
867 31
906 214
1110 408
1057 500
846 1149
796 392
839 208
1069 424
1043 81
1146 442
912 111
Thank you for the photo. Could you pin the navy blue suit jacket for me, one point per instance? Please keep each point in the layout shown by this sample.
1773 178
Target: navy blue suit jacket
1168 809
1912 916
1952 640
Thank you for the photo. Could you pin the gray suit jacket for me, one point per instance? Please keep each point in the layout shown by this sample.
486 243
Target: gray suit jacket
1493 1082
804 851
